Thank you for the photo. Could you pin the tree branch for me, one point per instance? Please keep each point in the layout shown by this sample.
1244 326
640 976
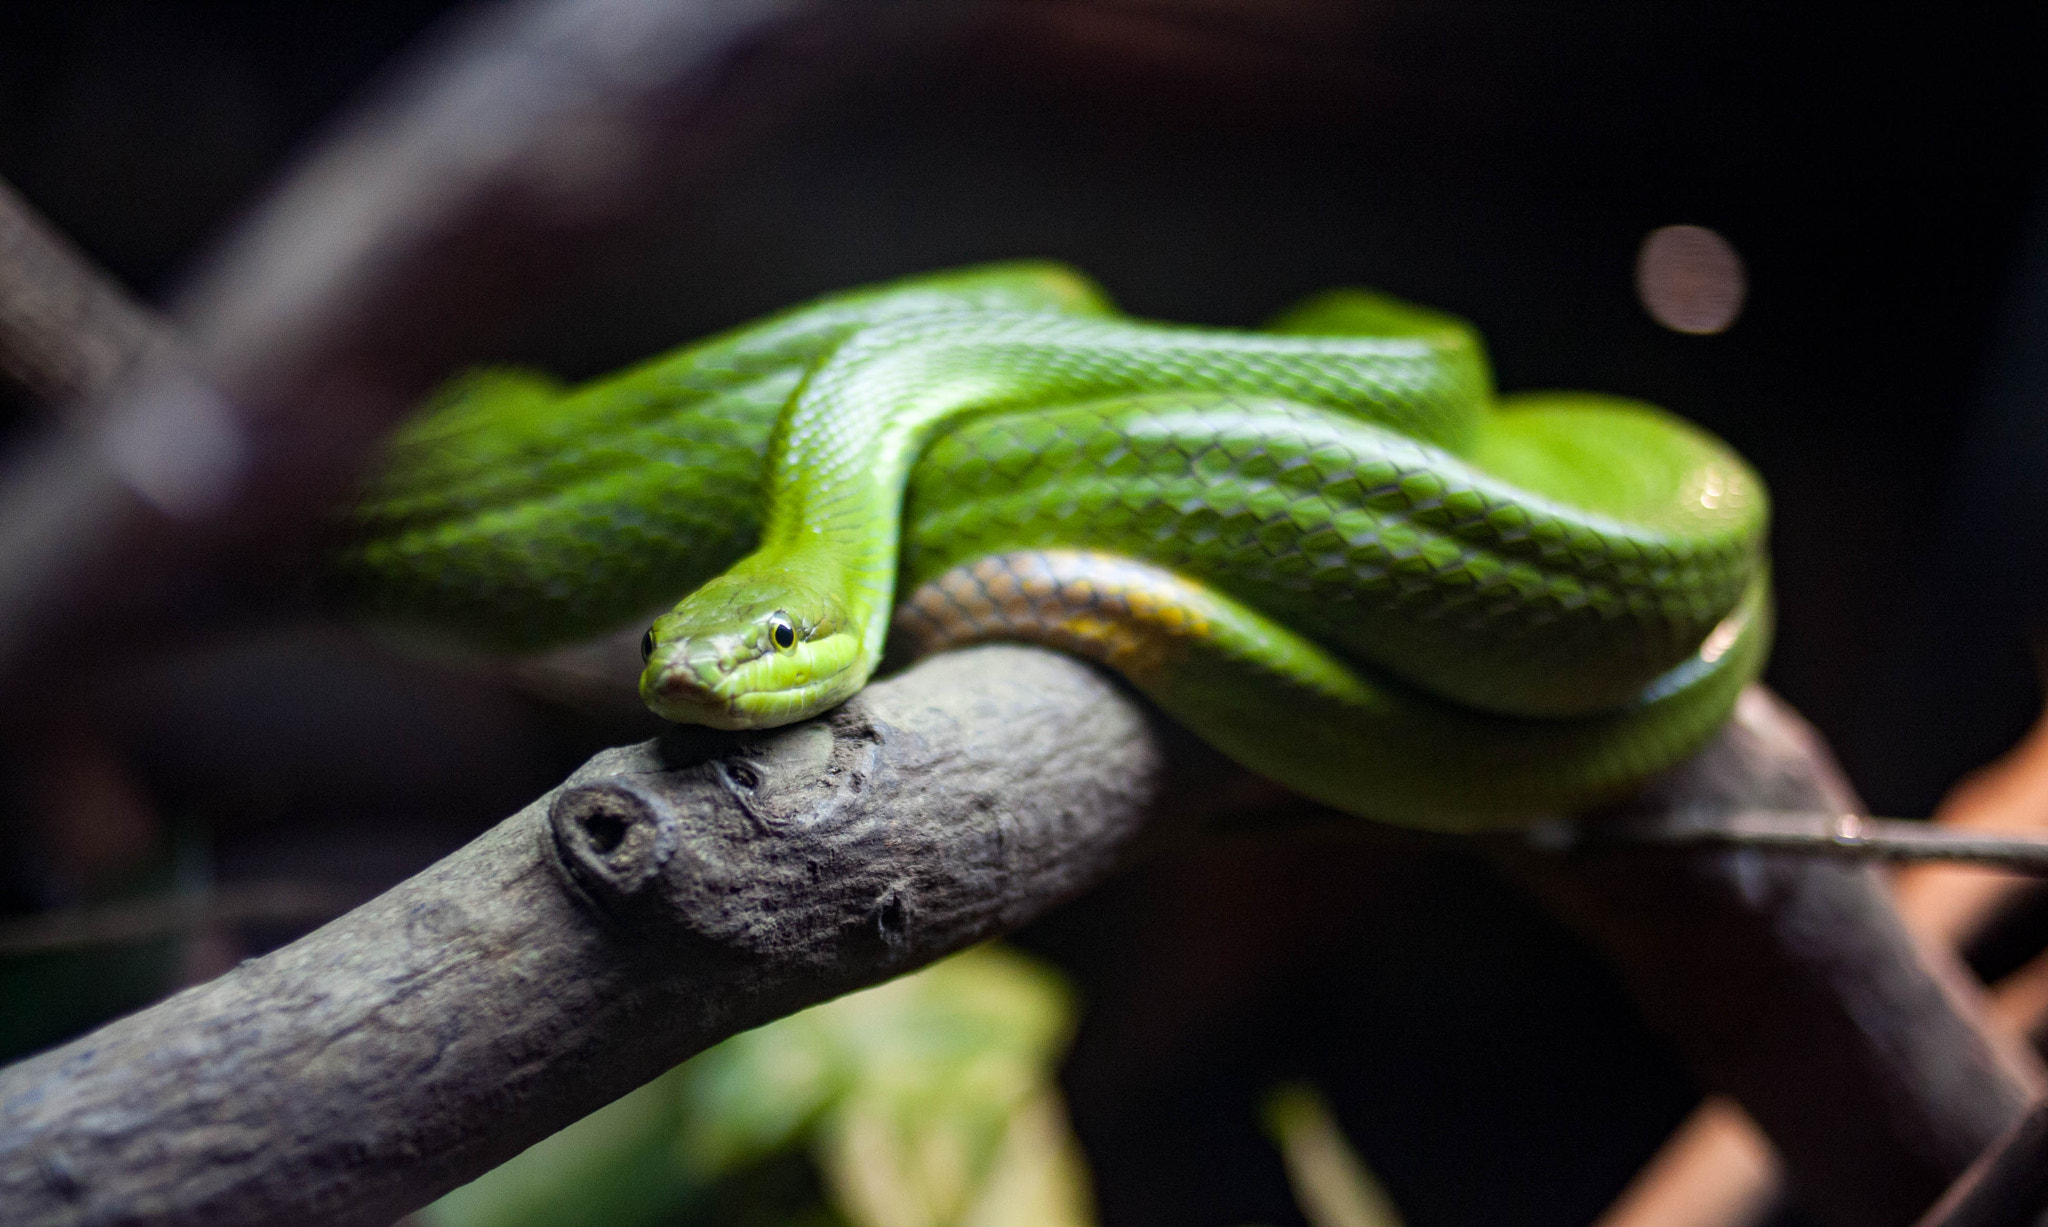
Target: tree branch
491 170
1789 982
1845 836
1717 1170
665 896
2007 1187
670 894
674 892
68 332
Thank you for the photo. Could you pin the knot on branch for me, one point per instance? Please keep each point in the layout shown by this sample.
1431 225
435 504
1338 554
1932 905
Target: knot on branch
612 839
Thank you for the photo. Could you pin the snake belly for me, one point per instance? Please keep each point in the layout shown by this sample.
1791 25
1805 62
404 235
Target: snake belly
1340 563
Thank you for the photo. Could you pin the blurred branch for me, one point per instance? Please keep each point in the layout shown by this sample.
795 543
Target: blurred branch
673 893
1791 984
488 171
2008 1187
1848 836
136 920
68 332
1717 1170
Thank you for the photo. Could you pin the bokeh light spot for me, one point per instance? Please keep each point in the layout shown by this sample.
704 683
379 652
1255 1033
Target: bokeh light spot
1690 279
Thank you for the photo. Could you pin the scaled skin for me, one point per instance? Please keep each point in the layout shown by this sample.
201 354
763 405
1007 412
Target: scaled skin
1496 585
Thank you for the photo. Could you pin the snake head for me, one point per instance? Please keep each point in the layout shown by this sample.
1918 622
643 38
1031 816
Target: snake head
750 651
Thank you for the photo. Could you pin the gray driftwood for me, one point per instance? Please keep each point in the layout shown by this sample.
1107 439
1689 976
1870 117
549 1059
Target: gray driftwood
672 893
665 896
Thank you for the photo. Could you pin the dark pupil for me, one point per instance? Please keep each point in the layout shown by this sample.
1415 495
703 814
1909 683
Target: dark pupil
647 645
785 637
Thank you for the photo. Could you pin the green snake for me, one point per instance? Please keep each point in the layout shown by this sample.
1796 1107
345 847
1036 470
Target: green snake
1327 547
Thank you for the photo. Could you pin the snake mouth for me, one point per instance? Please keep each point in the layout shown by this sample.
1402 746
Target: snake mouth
721 684
689 684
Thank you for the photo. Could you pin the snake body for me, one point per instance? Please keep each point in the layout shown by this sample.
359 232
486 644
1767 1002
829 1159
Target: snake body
1324 547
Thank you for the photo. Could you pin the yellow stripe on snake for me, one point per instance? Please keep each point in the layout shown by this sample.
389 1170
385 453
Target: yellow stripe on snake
1327 547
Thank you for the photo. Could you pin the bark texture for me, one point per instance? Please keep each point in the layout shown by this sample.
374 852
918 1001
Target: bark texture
672 893
665 896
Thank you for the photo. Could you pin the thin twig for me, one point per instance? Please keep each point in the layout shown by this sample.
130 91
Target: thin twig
1848 836
2007 1187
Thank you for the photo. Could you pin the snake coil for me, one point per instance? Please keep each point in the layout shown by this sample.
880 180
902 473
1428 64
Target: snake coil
1327 548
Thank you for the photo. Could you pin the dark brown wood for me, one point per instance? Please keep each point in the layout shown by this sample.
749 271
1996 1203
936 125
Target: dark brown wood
1790 983
2007 1187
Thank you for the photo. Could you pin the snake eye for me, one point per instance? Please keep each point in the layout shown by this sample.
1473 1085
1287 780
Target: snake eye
782 632
646 645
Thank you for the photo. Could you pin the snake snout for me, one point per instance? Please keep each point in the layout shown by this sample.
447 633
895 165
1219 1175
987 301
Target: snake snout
686 680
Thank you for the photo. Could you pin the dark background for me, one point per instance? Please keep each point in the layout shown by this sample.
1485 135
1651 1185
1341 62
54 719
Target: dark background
1208 160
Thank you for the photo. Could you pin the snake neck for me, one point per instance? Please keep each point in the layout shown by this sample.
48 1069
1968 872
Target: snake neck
842 453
